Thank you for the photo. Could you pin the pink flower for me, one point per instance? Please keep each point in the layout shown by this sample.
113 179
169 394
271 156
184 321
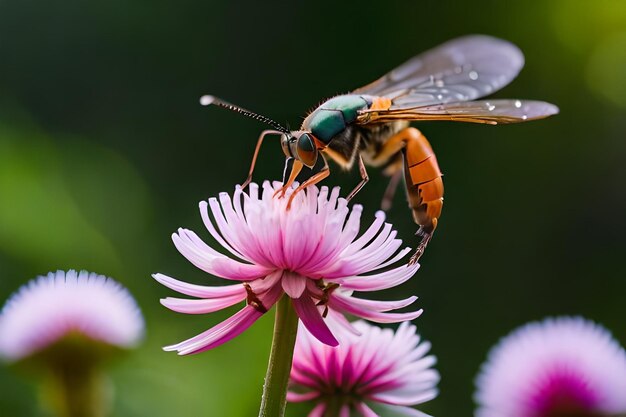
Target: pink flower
376 370
48 308
311 253
566 366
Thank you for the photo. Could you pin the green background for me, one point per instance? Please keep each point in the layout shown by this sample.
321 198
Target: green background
105 151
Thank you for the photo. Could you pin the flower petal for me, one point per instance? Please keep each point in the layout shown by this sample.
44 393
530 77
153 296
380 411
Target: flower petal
219 334
200 291
298 397
209 305
339 324
389 410
204 213
379 306
293 284
347 305
230 269
365 410
368 235
408 398
313 321
318 411
208 260
381 281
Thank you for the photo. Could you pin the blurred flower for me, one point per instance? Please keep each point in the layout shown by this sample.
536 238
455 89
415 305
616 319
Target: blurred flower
565 366
47 309
378 370
310 252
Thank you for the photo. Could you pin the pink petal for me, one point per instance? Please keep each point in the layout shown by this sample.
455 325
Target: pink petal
229 235
346 304
332 367
219 334
348 373
379 306
368 235
409 398
339 324
182 305
298 397
365 410
399 411
207 259
200 291
268 290
380 281
351 228
305 374
267 283
401 254
293 284
318 411
231 269
313 321
376 253
204 213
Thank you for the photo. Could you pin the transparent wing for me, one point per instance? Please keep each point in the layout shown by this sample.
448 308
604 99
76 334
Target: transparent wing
481 111
461 69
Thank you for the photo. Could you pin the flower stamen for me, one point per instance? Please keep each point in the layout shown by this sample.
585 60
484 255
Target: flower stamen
327 290
252 300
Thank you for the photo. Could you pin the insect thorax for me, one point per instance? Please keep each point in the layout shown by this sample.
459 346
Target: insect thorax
334 115
368 140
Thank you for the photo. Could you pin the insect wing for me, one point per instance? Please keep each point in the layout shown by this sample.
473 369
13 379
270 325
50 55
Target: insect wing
462 69
481 111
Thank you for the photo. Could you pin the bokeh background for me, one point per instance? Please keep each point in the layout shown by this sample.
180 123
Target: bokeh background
105 151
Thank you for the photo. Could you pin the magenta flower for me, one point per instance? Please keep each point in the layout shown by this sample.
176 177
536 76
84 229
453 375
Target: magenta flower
376 370
566 366
46 309
311 253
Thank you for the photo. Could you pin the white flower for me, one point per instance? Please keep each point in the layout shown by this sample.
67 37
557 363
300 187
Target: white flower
50 307
566 366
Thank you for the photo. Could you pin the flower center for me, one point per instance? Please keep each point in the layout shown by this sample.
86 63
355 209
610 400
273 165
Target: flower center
337 399
565 395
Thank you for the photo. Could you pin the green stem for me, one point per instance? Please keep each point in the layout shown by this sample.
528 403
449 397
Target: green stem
334 403
277 377
75 392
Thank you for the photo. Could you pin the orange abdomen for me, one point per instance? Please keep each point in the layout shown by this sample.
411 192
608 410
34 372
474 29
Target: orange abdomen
423 182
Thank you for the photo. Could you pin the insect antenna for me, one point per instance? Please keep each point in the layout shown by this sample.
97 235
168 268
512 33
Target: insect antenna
208 100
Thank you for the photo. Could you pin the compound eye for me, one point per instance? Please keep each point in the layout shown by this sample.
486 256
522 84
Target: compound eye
307 153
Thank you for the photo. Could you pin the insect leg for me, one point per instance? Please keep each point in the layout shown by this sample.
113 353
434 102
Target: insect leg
287 169
323 173
256 154
390 149
364 179
390 192
295 170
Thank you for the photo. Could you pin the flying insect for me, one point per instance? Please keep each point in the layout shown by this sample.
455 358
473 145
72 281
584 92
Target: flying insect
370 126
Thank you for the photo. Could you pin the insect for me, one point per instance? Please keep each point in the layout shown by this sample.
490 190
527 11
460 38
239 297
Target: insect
370 126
